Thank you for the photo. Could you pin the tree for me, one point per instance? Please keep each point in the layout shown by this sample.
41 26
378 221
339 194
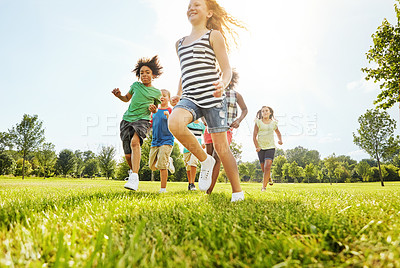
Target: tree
375 136
279 152
65 162
298 155
7 163
236 150
243 171
277 167
310 172
312 157
251 167
331 164
295 171
27 136
91 168
285 171
22 168
5 141
106 161
122 169
145 171
341 173
364 170
87 155
79 161
46 156
385 54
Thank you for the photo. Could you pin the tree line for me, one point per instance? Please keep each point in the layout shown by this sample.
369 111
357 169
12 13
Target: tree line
23 151
300 165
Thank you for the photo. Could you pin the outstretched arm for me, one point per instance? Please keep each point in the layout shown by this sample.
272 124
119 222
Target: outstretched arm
255 133
218 45
243 108
117 93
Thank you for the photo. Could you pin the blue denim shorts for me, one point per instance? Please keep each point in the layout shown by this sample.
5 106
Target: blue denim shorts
215 116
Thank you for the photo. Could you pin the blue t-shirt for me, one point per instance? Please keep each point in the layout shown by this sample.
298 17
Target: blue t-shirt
197 129
161 133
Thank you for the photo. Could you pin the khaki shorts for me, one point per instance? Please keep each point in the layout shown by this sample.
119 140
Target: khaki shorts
159 157
190 160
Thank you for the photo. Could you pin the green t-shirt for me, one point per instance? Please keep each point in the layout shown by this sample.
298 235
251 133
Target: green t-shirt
142 97
265 135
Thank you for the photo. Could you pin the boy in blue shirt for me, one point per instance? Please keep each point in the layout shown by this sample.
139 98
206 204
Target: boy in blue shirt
163 141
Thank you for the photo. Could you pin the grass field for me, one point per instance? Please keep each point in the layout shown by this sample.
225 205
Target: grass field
86 223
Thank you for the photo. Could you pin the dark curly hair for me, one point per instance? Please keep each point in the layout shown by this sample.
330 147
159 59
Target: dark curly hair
153 64
234 79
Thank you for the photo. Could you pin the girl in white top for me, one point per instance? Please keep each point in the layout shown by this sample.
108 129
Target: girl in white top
263 138
201 88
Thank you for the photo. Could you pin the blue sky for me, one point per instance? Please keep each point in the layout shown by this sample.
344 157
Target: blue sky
61 59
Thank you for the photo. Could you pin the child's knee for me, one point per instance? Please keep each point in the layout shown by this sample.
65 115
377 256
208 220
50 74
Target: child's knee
135 142
172 125
222 149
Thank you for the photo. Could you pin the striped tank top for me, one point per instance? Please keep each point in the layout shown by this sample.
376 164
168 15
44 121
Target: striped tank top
199 72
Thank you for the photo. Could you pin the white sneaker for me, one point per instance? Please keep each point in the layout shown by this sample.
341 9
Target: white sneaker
133 181
162 191
171 167
237 197
206 173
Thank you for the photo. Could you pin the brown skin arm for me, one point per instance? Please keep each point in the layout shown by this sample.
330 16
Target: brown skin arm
243 108
117 93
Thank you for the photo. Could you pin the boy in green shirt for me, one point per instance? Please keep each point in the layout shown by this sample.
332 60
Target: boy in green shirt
136 120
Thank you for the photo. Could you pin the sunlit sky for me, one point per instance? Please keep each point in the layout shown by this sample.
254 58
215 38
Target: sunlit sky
61 59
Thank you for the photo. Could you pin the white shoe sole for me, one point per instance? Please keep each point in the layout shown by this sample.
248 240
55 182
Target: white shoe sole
205 183
130 186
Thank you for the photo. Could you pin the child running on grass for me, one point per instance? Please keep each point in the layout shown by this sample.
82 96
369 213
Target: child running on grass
162 142
136 120
233 99
263 138
202 89
197 128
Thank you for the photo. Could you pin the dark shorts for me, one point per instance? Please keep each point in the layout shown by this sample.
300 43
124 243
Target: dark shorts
128 130
266 154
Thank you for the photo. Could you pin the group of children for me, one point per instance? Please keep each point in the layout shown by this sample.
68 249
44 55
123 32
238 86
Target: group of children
205 93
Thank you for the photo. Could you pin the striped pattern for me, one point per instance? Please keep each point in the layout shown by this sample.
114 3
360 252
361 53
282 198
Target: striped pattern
197 132
199 72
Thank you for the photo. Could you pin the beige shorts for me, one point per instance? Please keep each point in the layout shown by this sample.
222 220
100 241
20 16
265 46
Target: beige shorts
190 160
159 157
